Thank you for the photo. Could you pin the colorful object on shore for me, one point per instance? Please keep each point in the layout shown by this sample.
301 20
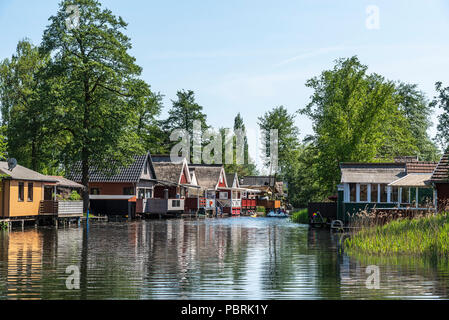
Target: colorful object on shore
254 215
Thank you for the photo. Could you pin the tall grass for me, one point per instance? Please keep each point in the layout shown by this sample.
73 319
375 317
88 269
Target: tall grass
301 216
422 235
3 225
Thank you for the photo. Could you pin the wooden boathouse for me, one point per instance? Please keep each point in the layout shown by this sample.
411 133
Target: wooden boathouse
403 185
28 196
123 192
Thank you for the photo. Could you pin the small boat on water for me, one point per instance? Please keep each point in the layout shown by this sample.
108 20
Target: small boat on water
254 215
278 214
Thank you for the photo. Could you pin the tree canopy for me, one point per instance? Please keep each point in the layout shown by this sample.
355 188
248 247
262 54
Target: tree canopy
363 117
94 85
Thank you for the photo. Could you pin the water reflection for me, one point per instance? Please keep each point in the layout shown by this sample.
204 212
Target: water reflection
238 258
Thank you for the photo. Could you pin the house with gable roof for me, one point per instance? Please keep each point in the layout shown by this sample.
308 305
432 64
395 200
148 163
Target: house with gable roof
117 193
404 184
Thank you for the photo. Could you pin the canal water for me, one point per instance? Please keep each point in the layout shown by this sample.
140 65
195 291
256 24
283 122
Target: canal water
231 258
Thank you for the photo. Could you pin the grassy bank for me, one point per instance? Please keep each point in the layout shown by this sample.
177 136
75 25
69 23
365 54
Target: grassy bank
422 236
301 216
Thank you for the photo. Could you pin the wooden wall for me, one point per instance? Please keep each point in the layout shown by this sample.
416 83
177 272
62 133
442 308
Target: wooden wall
115 189
443 196
15 208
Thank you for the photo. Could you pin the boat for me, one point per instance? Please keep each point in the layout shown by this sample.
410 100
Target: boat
278 214
254 215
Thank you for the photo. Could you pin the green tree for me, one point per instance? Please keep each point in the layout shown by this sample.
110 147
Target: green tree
3 144
148 106
93 81
355 117
183 113
302 177
417 110
442 102
247 168
24 107
287 140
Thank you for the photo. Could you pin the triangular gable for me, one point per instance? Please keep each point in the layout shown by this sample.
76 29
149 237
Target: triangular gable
184 177
222 180
236 183
151 174
193 179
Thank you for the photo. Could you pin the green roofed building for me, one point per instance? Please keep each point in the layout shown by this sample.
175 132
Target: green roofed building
400 185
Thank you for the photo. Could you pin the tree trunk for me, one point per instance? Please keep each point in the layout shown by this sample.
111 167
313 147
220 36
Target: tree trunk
34 155
85 178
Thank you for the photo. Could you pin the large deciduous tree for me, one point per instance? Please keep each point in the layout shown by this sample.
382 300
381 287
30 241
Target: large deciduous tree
287 137
442 102
415 107
25 108
93 81
356 117
287 143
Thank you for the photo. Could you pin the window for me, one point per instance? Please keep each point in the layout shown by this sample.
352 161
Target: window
383 193
374 191
148 193
141 194
95 191
363 193
176 203
30 192
394 194
352 192
128 191
146 169
405 195
223 195
21 191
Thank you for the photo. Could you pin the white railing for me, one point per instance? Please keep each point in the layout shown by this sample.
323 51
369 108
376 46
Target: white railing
236 203
70 208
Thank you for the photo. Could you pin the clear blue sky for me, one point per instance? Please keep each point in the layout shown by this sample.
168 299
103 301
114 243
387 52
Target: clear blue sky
248 56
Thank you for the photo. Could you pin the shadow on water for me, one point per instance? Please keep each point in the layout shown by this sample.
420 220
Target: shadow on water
235 258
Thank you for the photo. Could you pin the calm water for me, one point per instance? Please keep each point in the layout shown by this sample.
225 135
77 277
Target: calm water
234 258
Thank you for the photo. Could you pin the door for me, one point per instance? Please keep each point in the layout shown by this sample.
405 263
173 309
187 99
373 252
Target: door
48 193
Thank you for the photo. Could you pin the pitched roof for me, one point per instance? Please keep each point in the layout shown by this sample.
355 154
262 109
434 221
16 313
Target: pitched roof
131 173
441 172
165 158
421 167
22 173
168 171
412 180
372 172
207 175
232 178
63 182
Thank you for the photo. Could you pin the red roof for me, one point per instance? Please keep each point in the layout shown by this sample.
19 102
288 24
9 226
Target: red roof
421 167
